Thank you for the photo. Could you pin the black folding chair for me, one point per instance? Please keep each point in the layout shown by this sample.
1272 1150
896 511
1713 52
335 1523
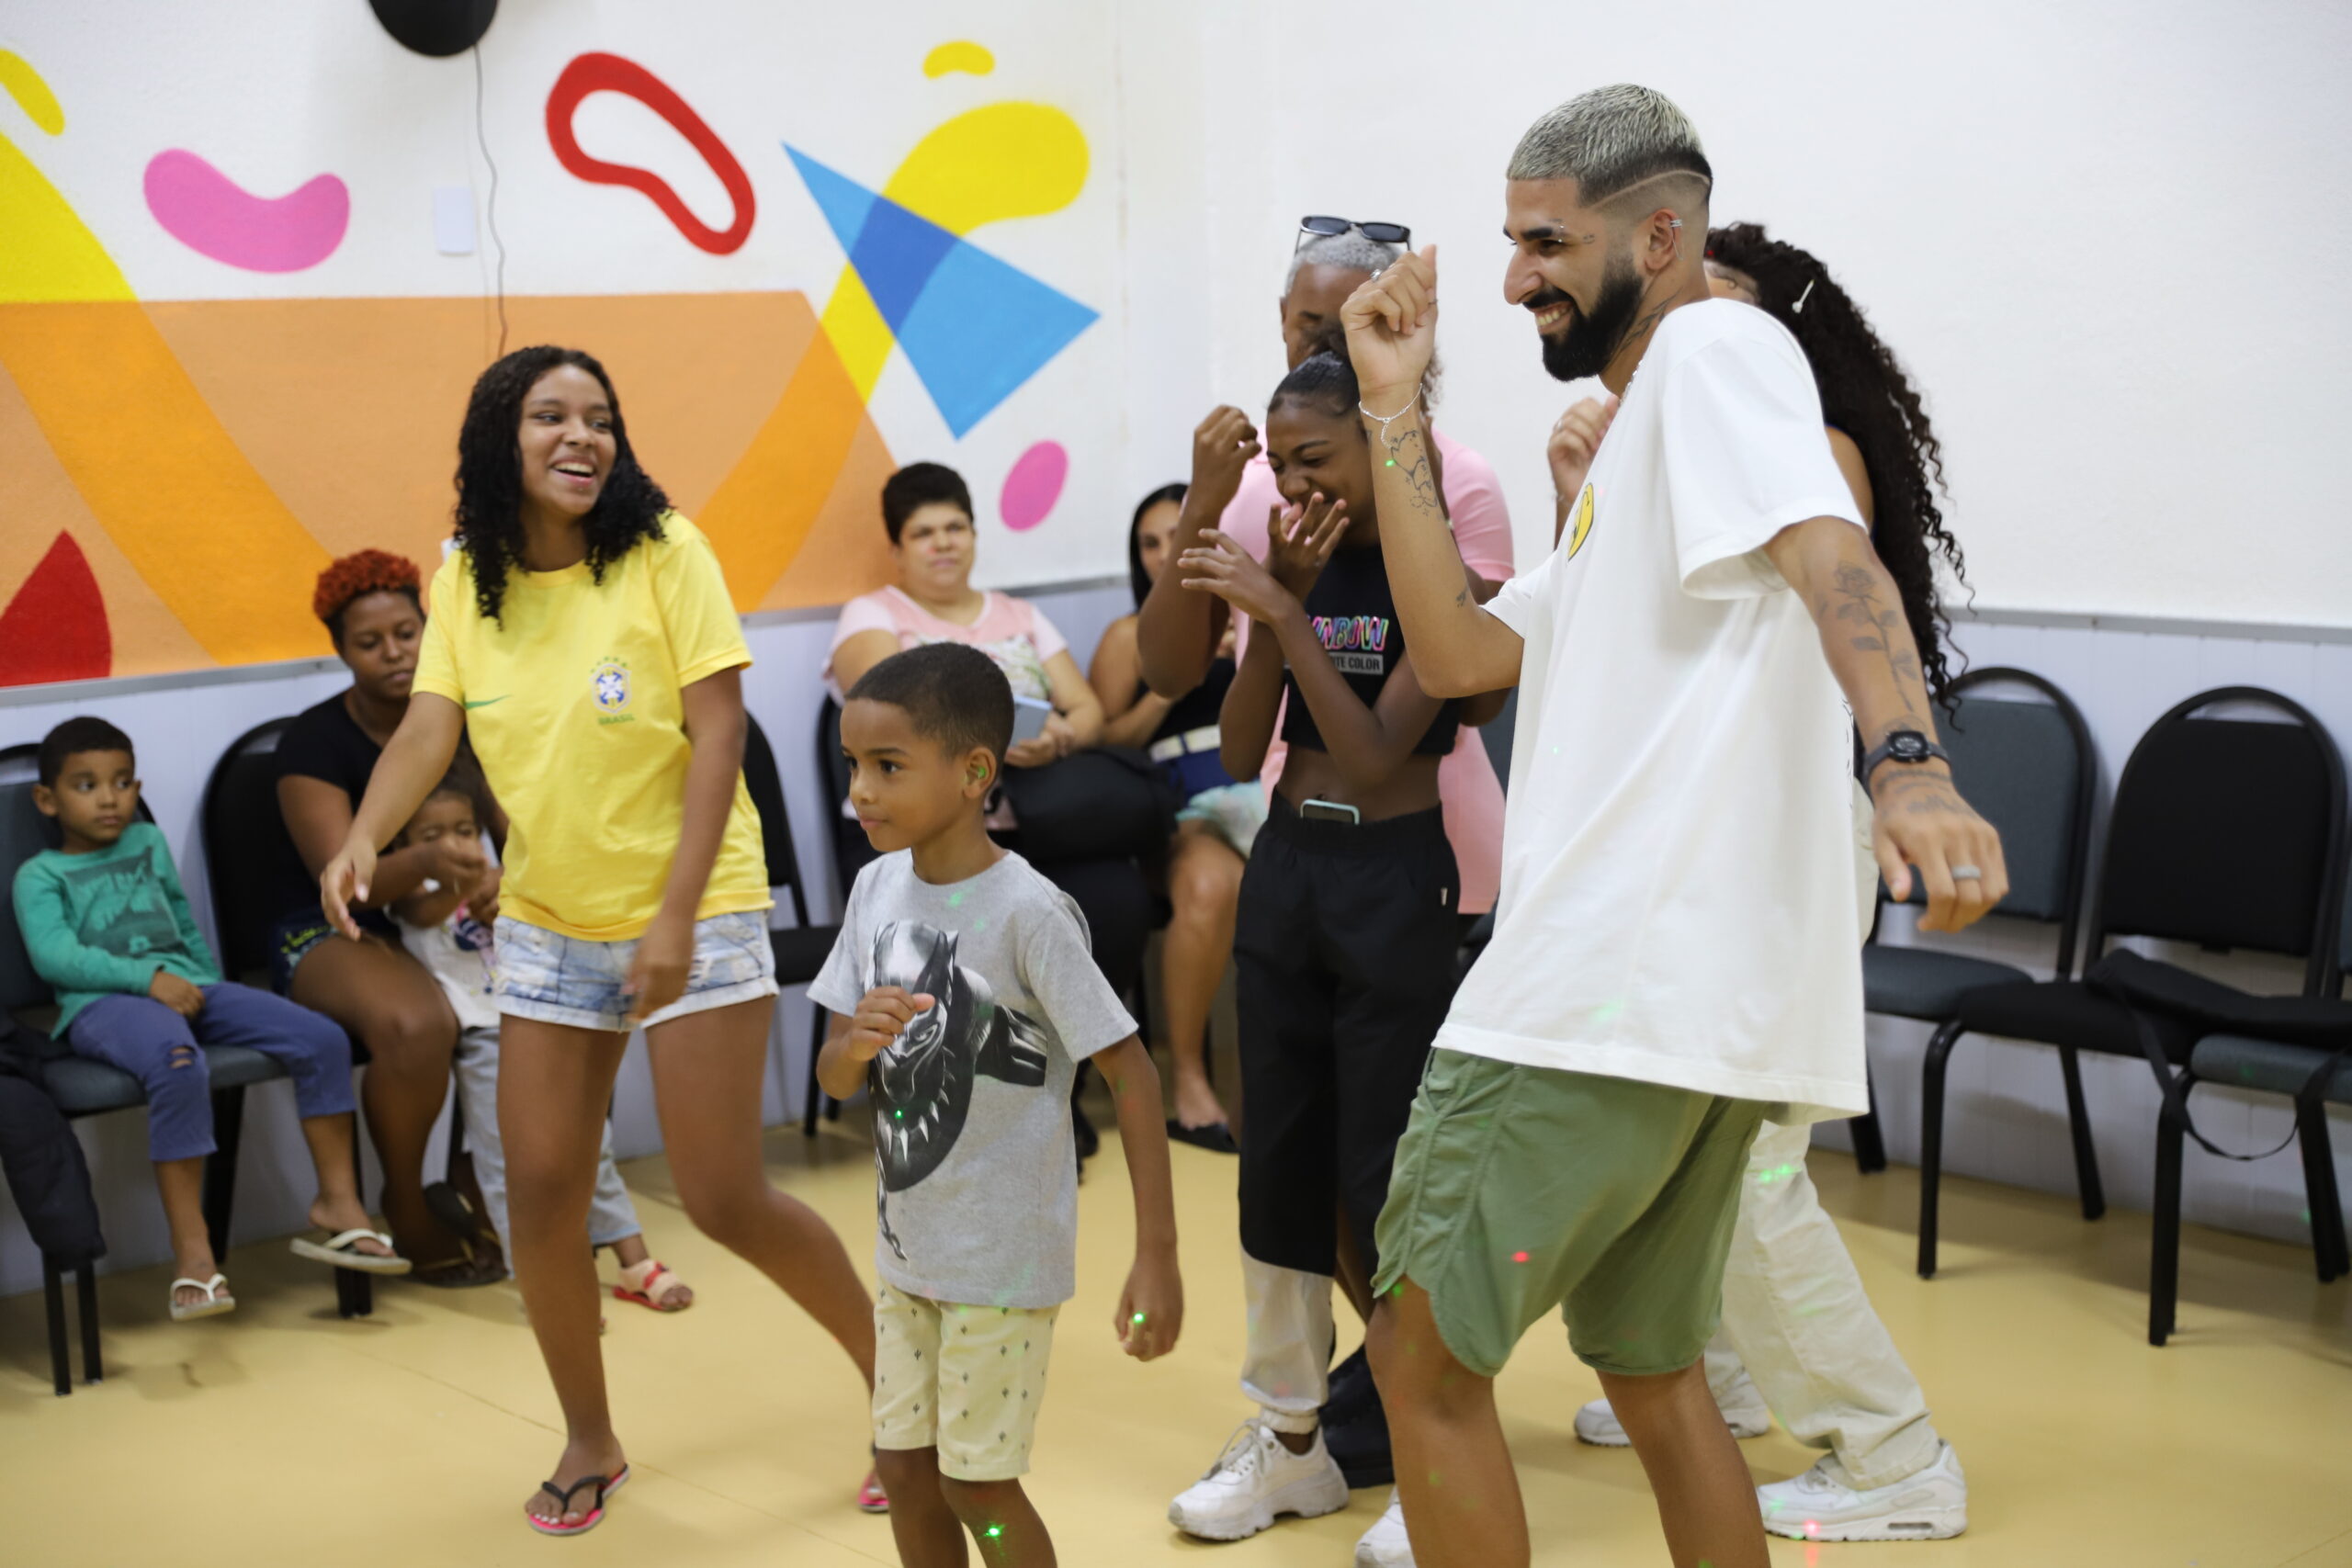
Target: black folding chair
85 1087
2271 1066
2030 770
240 821
2226 833
801 948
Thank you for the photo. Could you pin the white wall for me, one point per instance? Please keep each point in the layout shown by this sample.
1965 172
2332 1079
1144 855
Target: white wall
182 728
2102 235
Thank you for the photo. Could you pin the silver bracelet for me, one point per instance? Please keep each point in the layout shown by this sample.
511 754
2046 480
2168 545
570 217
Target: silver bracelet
1410 405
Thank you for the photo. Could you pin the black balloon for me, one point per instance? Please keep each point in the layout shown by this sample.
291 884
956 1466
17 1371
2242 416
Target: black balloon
437 27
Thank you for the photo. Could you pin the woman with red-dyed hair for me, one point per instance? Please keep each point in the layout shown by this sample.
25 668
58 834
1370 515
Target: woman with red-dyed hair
383 998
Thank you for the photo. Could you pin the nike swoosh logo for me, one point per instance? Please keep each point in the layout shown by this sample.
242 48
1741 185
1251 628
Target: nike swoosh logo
486 702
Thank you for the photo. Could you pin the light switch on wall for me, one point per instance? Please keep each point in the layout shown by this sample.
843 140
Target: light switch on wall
453 219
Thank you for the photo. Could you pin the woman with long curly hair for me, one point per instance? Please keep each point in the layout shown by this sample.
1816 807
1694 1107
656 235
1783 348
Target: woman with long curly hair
583 640
1799 1338
1879 430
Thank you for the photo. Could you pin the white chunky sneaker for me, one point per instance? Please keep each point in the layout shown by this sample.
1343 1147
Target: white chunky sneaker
1256 1480
1821 1506
1743 1408
1385 1545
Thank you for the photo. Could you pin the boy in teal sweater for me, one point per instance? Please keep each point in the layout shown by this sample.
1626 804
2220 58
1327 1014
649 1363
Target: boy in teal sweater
108 926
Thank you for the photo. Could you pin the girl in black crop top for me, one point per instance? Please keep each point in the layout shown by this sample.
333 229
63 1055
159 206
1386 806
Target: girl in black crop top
1326 648
1347 927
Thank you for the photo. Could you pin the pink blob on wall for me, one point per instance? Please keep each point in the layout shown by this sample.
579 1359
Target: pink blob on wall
212 215
1033 486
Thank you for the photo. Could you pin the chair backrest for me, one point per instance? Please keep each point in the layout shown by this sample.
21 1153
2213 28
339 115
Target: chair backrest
766 788
1497 736
2031 769
2229 832
23 833
833 768
244 833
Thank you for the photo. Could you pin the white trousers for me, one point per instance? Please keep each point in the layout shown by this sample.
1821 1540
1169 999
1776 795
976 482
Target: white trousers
611 1216
1286 1366
1795 1314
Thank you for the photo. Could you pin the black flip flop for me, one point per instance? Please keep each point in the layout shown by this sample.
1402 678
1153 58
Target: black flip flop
1216 1137
606 1486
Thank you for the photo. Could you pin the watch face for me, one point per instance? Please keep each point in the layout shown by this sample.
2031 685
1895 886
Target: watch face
1907 746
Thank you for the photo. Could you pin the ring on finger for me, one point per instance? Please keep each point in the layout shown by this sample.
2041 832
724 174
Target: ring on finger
1967 874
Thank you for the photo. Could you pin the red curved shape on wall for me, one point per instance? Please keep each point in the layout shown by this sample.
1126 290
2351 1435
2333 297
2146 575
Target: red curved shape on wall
55 628
598 73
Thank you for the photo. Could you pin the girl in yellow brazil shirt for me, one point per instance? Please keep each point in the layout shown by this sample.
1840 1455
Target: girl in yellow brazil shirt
581 634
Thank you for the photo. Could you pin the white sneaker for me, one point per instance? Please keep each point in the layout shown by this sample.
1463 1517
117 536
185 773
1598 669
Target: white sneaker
1820 1505
1743 1408
1254 1482
1386 1545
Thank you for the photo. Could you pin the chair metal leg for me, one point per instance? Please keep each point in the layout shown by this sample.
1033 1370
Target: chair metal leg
355 1293
2320 1194
1869 1144
220 1170
52 1289
1931 1138
811 1096
86 1287
2078 1118
2164 1259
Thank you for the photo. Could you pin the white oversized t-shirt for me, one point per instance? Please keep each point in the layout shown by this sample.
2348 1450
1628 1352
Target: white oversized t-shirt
1677 899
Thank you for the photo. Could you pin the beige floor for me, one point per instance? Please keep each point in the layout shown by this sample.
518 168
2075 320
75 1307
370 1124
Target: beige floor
282 1435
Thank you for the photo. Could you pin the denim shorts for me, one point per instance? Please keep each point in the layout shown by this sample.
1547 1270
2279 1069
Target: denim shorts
554 978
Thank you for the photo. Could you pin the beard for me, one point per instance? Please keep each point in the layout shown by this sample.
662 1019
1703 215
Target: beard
1592 339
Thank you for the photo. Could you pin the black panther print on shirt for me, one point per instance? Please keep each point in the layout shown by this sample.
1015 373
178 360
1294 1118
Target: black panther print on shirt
921 1083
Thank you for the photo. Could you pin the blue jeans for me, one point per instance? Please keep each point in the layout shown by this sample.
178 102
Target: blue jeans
158 1047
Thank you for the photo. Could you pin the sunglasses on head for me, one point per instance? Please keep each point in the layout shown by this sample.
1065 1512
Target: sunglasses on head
1385 233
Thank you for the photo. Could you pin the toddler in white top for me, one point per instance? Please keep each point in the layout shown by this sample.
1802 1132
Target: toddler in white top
441 933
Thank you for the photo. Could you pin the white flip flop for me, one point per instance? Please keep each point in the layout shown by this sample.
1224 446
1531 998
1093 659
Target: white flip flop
343 1252
217 1299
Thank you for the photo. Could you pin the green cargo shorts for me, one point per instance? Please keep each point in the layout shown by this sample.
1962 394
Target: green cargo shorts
1519 1189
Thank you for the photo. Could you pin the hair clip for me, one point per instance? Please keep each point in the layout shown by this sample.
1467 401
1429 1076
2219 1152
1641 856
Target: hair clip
1798 309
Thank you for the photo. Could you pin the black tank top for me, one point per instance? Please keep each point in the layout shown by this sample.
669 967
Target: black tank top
1355 619
1198 708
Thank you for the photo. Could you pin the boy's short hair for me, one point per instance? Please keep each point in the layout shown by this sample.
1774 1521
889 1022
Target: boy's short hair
918 485
953 695
83 732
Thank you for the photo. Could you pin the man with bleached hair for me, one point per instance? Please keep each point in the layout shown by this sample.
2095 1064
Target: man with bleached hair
1673 956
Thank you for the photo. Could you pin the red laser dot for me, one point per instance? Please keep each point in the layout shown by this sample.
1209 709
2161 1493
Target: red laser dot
1519 1257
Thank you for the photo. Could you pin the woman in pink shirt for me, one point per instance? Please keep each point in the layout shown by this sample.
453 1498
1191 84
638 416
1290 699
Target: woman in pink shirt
928 510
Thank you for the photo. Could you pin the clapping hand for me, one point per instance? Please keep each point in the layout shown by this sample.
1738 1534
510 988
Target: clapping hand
1222 447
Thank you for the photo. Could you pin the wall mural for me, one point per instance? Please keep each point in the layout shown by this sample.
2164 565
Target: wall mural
284 383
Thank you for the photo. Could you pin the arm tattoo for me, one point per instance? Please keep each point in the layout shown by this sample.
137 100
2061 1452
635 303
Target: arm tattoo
1857 589
1409 457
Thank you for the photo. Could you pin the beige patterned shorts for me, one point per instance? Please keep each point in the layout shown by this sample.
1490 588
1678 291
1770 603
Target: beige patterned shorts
965 1380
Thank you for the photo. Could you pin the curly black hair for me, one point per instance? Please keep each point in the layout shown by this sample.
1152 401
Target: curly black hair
489 477
1865 393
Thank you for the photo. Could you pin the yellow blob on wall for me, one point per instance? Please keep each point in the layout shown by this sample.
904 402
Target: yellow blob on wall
999 161
961 55
32 94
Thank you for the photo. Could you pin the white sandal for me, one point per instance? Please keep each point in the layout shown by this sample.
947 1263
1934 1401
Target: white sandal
217 1299
342 1251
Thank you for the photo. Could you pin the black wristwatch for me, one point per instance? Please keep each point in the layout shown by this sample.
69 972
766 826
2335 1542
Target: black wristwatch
1901 746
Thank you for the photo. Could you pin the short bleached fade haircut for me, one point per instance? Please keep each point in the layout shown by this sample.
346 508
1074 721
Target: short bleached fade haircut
1609 141
1351 252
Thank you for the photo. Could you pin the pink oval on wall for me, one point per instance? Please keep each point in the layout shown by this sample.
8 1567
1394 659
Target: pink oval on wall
212 215
1033 486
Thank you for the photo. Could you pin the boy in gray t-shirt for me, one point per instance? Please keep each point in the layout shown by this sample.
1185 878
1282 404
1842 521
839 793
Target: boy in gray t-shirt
964 996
